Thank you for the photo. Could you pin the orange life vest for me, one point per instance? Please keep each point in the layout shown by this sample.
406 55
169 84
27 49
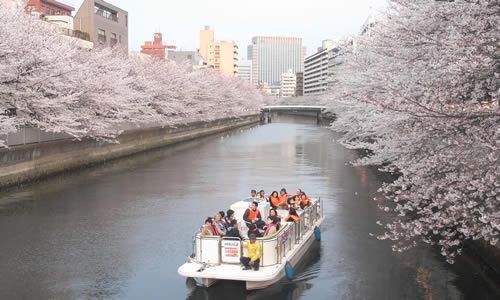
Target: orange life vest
294 217
283 197
274 201
252 215
305 202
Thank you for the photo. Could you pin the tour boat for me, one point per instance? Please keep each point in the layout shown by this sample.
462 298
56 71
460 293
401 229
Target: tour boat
218 258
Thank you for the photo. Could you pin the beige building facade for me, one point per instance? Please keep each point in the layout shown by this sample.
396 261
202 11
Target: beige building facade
106 24
219 55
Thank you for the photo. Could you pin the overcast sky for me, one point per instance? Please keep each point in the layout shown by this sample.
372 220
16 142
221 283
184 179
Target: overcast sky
181 20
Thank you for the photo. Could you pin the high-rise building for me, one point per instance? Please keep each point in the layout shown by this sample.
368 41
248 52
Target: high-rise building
319 67
273 56
219 55
106 24
156 47
299 90
245 70
288 84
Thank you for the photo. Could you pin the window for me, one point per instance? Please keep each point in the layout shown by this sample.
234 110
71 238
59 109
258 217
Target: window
106 12
101 36
112 40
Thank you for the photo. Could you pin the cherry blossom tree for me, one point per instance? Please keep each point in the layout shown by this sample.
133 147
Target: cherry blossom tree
421 93
47 81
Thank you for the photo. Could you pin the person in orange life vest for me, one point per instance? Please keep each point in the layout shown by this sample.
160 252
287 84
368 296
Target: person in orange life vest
274 199
209 228
283 199
252 215
304 201
299 192
292 216
273 226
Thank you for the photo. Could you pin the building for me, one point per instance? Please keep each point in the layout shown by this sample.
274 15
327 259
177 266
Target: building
299 90
48 8
59 14
273 56
219 55
288 84
156 47
245 70
106 24
317 67
367 27
192 58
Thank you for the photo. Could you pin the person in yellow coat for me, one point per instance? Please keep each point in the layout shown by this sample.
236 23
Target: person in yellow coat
254 254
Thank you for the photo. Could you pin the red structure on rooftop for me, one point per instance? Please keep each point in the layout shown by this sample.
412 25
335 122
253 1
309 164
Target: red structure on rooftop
156 48
48 7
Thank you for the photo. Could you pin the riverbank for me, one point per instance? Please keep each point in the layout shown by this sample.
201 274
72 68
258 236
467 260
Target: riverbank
24 163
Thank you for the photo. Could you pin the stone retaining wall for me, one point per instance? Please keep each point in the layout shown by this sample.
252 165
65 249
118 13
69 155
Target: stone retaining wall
23 163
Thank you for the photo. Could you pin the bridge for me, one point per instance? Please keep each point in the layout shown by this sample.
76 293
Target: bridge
318 111
293 108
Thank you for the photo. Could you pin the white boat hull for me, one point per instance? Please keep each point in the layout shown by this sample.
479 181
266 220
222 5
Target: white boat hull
204 282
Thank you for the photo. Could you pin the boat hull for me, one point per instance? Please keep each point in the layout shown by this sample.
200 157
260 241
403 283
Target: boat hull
293 260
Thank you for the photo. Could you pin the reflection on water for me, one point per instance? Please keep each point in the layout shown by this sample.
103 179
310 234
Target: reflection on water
121 230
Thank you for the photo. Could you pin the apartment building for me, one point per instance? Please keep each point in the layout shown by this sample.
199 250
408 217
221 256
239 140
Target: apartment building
106 24
219 55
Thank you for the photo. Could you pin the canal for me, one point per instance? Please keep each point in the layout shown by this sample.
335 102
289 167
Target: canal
120 230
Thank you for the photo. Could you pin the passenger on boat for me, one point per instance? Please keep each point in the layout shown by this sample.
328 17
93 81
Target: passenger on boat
304 201
274 212
252 215
283 199
254 254
273 226
219 222
209 228
252 229
262 194
229 218
223 220
253 194
234 231
274 199
292 216
299 192
293 202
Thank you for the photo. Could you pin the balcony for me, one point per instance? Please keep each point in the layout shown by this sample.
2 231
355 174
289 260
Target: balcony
76 33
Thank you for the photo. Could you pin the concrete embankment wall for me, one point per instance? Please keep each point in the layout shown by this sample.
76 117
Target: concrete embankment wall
24 163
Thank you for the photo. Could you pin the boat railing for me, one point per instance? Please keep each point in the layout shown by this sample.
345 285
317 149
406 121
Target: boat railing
217 250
